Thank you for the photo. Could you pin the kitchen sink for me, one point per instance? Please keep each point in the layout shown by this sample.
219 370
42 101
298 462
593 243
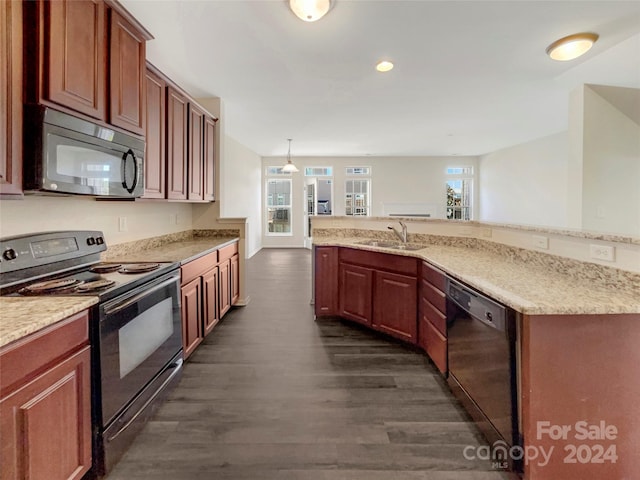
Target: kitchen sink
392 245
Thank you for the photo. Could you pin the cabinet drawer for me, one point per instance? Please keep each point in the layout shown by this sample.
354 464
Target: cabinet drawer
380 261
434 276
27 357
434 296
436 345
225 253
433 315
197 267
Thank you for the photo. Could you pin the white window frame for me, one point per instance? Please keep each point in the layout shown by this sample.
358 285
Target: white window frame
357 174
465 175
274 205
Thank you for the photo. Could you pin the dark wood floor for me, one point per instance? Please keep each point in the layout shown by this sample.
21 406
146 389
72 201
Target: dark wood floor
273 394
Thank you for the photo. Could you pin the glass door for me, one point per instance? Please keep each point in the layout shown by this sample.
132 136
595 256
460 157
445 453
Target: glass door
310 207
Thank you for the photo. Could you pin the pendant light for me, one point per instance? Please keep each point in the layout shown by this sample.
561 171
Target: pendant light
289 167
310 10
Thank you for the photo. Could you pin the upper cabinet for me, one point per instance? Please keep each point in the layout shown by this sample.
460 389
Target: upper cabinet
10 98
86 57
181 143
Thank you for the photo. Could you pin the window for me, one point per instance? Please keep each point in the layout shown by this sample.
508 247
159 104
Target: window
459 193
357 197
358 171
276 171
318 172
278 206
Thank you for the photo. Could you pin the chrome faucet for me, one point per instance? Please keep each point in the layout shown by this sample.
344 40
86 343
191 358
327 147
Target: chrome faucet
401 235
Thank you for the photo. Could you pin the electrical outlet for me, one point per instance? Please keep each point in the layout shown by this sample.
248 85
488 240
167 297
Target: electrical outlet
177 219
486 232
540 241
603 252
122 224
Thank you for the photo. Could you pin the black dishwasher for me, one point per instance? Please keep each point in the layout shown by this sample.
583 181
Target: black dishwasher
482 361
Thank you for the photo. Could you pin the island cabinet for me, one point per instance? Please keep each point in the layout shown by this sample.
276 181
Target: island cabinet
199 291
379 290
87 58
45 403
326 280
181 143
10 98
432 327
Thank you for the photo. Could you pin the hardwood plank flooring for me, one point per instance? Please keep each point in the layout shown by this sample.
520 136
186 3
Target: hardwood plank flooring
274 394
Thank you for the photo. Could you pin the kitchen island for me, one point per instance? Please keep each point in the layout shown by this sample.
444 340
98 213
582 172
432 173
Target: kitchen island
578 332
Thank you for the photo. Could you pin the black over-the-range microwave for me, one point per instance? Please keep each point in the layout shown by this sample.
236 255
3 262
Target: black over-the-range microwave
66 154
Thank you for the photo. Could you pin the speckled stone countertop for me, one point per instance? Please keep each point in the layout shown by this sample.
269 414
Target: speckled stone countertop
20 316
183 251
529 288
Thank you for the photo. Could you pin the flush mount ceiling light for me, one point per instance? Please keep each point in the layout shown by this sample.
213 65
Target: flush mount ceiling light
384 66
571 47
310 10
289 167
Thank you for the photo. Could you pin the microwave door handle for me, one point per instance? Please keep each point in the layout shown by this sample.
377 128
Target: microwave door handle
125 157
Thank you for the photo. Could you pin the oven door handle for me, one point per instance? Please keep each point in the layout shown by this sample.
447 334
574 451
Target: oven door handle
176 369
112 309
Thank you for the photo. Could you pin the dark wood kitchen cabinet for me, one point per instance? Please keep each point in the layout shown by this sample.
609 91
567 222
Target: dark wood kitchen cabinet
192 332
155 161
177 141
210 299
355 293
229 277
86 57
235 278
326 280
394 308
379 290
127 74
195 156
10 98
209 161
45 403
432 327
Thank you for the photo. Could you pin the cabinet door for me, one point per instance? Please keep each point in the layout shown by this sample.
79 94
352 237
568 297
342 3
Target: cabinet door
210 299
209 158
196 154
395 299
191 316
10 98
355 293
435 344
75 60
225 287
45 426
235 279
326 281
155 160
127 73
176 145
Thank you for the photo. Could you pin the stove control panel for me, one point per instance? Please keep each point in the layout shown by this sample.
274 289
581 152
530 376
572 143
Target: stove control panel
37 249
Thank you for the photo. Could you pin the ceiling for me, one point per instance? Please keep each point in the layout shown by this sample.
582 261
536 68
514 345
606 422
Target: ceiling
470 77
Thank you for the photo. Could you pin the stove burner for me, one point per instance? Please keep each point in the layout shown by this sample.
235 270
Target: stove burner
95 285
105 267
50 286
139 267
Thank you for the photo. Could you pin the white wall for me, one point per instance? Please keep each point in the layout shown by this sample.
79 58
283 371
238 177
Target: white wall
47 213
611 168
404 181
241 195
526 184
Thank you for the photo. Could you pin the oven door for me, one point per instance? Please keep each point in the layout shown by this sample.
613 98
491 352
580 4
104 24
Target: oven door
139 334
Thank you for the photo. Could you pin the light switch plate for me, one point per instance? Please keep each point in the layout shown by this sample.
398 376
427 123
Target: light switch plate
122 224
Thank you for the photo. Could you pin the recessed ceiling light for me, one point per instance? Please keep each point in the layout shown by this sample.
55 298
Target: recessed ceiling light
384 66
571 47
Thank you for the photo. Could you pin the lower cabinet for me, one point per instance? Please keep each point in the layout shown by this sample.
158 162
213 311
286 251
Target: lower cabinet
325 293
210 285
379 290
433 318
45 403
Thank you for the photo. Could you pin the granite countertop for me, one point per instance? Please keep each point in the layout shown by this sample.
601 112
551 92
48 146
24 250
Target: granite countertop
20 316
183 251
527 288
